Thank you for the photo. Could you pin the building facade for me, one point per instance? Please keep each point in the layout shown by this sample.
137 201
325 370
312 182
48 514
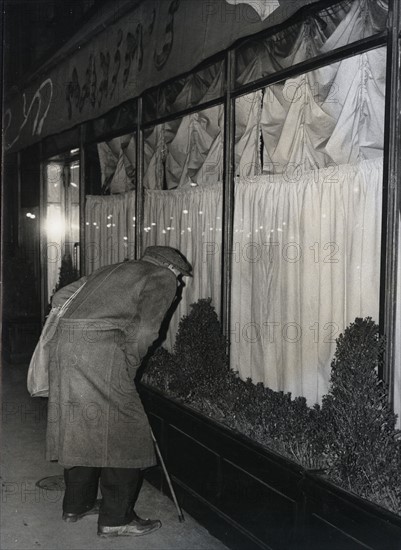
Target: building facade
259 138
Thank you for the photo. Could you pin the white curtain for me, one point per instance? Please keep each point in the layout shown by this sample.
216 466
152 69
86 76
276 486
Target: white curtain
185 152
189 151
307 232
117 159
332 27
191 221
331 116
186 156
264 9
154 152
306 262
247 134
107 236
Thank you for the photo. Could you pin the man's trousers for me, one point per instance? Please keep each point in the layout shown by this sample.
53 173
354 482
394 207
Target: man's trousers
119 488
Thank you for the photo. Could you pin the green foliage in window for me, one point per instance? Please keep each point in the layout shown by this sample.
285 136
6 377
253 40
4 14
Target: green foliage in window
197 374
363 445
352 436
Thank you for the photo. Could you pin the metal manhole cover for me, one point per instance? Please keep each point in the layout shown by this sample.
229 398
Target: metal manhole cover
52 483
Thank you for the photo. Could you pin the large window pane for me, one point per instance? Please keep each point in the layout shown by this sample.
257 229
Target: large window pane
110 219
307 231
183 200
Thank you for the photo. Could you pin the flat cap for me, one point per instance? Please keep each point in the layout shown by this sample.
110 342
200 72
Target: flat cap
166 255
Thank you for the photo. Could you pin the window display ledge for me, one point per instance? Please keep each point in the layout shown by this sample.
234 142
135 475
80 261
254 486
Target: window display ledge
251 497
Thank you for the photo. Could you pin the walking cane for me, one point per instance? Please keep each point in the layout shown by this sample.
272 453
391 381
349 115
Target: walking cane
180 514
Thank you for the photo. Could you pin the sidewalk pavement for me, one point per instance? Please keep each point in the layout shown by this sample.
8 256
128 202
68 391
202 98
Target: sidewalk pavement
31 516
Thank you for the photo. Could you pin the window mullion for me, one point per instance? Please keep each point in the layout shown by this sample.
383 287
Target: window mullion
391 194
228 192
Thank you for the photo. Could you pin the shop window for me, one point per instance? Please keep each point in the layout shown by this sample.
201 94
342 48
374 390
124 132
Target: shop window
62 226
110 217
307 230
183 200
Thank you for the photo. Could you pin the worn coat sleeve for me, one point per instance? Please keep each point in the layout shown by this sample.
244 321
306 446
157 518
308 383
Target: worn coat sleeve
154 301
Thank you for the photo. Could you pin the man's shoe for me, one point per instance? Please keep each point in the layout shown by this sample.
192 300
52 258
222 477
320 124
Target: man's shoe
136 528
70 517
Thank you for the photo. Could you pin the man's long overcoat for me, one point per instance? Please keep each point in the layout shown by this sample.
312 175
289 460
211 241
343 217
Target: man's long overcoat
95 416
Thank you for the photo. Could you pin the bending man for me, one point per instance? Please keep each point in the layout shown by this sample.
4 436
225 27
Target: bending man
97 428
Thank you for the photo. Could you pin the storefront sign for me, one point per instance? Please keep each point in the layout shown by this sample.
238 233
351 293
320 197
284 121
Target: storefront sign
158 40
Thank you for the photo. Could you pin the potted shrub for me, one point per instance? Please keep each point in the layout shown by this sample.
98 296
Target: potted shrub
363 444
362 449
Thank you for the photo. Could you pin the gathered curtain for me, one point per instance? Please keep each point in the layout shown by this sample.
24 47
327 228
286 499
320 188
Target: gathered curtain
332 27
187 219
191 221
109 237
185 152
188 151
306 262
117 159
248 110
307 231
331 116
